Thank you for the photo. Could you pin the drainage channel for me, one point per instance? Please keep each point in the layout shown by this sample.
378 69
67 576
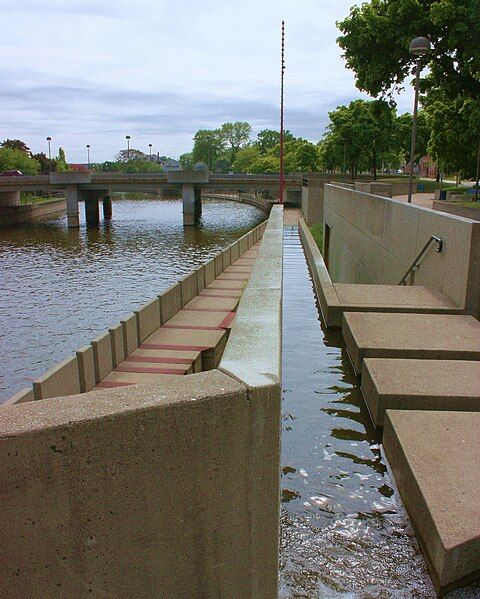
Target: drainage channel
343 531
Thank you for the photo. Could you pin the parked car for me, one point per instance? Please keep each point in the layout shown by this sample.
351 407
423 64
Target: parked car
11 173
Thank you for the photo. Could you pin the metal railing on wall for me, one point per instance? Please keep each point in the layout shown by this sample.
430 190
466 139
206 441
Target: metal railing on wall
416 263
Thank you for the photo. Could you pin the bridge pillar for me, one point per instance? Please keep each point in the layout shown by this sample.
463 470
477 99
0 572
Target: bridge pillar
72 206
192 204
9 198
92 214
107 207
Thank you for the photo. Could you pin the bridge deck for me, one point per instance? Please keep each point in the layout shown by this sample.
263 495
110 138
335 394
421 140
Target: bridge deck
194 339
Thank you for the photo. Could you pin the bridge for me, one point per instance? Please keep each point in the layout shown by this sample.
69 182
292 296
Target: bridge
92 187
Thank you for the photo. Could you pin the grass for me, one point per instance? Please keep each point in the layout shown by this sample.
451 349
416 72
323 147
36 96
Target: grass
317 232
468 204
26 199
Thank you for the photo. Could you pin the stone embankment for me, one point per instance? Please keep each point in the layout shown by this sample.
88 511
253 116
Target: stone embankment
28 213
417 350
163 474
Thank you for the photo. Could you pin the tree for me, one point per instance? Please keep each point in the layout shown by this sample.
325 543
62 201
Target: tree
61 161
377 34
16 144
245 158
208 144
306 156
268 139
186 161
132 154
235 135
43 162
15 159
404 134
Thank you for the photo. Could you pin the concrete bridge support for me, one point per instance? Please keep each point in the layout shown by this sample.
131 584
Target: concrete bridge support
9 198
192 204
72 206
92 213
107 207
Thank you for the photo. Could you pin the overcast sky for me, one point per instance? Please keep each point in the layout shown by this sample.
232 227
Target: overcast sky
91 71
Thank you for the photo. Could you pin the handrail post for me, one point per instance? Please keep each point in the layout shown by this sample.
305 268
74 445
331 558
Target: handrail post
415 264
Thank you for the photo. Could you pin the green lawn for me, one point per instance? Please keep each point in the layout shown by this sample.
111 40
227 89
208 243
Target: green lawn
31 199
317 232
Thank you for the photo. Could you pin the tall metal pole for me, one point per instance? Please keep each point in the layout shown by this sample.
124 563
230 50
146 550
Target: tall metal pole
49 139
282 178
414 130
88 156
478 174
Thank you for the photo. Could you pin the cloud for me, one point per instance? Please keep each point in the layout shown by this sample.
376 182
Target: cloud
90 72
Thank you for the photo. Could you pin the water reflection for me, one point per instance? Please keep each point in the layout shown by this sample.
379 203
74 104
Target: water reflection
61 287
343 533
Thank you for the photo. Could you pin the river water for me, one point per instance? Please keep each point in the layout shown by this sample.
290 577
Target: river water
61 287
344 534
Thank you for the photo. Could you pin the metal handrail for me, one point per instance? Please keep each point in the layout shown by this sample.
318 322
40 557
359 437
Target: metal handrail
415 263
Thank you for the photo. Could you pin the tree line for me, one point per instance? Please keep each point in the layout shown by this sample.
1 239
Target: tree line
16 155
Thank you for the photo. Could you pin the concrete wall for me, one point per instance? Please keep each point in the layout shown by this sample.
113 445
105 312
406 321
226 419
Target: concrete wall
458 210
82 372
375 240
31 212
165 490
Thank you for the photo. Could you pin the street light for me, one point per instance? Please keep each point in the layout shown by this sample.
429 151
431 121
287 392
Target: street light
150 148
128 138
418 47
88 155
49 139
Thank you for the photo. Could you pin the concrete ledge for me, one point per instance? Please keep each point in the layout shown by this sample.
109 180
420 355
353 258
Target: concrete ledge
412 336
130 334
434 458
458 210
253 356
209 272
325 290
171 302
450 385
148 319
102 356
86 368
189 288
200 278
118 348
20 397
63 379
227 258
218 261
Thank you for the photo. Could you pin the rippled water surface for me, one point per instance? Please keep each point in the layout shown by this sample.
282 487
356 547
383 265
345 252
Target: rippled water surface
61 287
343 532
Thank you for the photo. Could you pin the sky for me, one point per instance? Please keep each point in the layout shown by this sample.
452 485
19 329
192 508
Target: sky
92 71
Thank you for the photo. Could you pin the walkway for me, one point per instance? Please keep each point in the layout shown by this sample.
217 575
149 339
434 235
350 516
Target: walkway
193 340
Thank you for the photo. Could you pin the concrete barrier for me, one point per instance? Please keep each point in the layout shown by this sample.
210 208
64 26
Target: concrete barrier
171 302
148 319
226 258
63 379
32 212
458 210
20 397
209 272
118 348
130 334
102 356
253 356
372 239
171 488
86 368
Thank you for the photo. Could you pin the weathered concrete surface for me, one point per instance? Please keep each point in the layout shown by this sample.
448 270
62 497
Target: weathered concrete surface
189 288
148 319
130 333
457 209
20 397
140 492
102 356
86 368
171 302
375 240
435 460
424 336
63 379
28 213
336 298
451 385
118 347
253 356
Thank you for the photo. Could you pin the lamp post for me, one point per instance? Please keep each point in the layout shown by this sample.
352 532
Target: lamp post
49 139
150 148
128 138
418 47
477 182
88 155
282 119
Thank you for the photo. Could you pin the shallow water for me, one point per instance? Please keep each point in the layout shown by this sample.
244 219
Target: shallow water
60 287
344 533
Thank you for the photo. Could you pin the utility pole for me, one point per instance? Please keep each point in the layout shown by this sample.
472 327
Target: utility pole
282 178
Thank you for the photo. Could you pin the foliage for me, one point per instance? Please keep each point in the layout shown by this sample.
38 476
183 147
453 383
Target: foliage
16 144
317 232
61 161
15 159
44 162
235 135
208 144
130 155
404 135
186 161
269 139
245 158
377 34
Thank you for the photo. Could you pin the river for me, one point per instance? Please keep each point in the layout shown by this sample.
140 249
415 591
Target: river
61 287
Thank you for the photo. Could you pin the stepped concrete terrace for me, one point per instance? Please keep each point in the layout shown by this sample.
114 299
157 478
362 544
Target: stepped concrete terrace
417 349
448 385
168 483
434 458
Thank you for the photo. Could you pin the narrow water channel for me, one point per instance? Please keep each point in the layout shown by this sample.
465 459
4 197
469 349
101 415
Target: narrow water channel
60 287
343 533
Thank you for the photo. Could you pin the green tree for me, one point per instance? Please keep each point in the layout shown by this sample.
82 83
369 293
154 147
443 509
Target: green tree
132 154
43 161
235 136
16 144
186 161
245 158
377 34
15 159
404 134
208 145
269 139
306 156
60 161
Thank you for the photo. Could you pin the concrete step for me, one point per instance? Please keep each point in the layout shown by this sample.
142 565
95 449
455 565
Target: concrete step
389 383
416 336
436 463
